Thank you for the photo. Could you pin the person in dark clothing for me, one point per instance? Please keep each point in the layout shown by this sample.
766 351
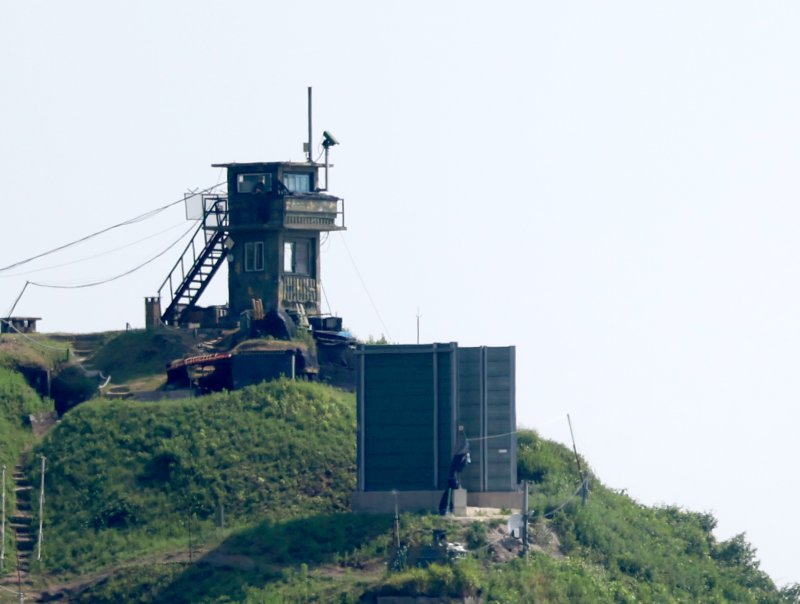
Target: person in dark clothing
460 461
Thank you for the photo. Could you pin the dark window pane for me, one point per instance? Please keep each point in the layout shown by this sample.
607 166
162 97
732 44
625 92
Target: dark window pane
254 183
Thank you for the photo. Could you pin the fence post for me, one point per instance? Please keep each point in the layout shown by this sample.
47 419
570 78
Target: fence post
41 510
3 524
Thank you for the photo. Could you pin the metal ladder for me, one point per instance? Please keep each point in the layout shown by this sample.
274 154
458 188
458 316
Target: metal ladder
198 263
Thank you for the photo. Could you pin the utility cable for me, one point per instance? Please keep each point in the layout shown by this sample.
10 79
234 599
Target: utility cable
32 340
65 350
103 281
366 290
92 257
584 485
130 221
324 295
552 420
119 276
491 436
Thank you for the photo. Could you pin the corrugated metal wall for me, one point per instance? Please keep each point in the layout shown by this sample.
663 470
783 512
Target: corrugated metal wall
413 401
406 406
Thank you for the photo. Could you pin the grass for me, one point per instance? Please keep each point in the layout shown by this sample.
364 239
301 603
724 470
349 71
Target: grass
306 548
30 350
127 477
17 402
137 491
136 354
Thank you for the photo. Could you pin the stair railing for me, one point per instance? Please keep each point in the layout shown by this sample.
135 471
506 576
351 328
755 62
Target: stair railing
214 221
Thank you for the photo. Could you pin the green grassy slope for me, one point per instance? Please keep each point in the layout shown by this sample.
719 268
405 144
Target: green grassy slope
612 549
127 478
30 350
140 353
17 402
136 491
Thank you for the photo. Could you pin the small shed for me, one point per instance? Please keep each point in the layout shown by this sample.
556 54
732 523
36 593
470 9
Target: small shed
18 324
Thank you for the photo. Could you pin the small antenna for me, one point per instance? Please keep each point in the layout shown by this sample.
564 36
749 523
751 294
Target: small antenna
310 136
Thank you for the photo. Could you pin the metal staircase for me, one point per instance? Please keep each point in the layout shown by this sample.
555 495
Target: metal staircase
199 262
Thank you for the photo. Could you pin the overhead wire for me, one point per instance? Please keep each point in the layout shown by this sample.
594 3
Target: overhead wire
324 295
469 439
120 275
102 281
92 257
134 220
583 485
366 290
32 340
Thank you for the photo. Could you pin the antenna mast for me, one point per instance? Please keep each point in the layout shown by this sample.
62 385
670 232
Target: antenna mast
310 137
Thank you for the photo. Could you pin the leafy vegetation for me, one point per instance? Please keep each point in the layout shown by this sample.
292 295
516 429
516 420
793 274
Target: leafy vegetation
127 478
242 497
17 402
611 549
139 353
30 350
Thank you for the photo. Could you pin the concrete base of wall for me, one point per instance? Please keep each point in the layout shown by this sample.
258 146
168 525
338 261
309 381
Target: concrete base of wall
382 502
496 499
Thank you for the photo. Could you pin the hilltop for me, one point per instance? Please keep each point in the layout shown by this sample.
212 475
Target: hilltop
243 497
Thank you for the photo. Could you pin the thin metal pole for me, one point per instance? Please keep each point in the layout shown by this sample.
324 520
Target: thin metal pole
584 484
41 511
396 520
524 517
310 150
574 448
326 166
13 306
19 572
3 524
418 317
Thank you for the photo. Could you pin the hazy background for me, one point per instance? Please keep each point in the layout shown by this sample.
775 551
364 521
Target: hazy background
611 187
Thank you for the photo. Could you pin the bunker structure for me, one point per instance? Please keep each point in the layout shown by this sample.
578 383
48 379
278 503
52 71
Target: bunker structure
18 324
418 405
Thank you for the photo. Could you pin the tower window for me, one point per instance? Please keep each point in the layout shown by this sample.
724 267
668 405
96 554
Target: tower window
254 256
297 257
297 182
254 183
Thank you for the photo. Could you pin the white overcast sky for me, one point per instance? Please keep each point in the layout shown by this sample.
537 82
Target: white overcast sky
610 186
